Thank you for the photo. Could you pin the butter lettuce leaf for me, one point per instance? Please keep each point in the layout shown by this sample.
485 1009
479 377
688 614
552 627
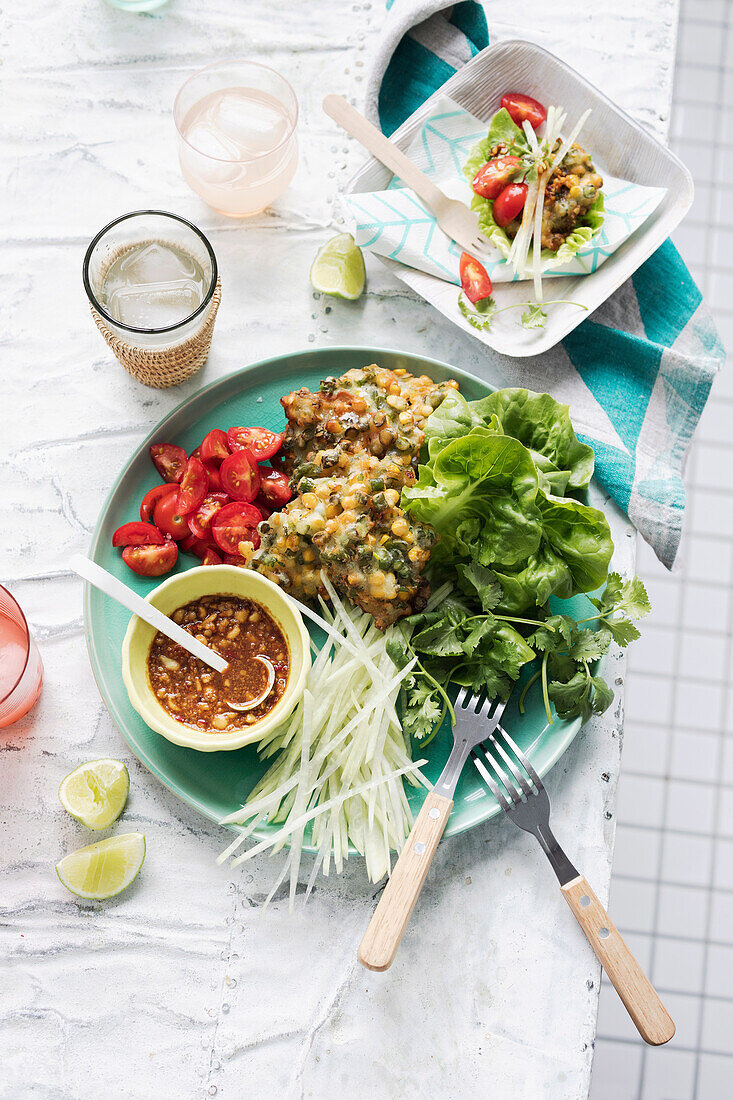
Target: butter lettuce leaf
544 426
502 130
539 422
580 535
479 492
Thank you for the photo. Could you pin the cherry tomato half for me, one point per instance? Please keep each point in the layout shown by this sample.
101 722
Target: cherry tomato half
169 460
194 486
151 561
259 441
510 203
235 523
274 487
169 517
215 447
199 522
495 175
151 498
137 534
212 472
211 558
475 281
523 107
240 476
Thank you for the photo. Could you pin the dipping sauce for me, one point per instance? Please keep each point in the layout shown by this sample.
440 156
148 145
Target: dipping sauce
239 630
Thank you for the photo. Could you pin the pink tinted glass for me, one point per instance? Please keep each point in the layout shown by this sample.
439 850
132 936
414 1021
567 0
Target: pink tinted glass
21 670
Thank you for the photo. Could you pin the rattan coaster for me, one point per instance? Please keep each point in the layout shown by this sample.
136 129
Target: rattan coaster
166 366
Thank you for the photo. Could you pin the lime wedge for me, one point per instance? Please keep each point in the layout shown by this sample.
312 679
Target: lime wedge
104 869
338 269
95 793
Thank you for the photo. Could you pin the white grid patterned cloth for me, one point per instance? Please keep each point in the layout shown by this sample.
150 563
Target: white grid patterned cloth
672 891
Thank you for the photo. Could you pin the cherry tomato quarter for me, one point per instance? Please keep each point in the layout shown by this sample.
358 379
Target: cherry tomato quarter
260 442
169 460
235 523
198 547
510 203
211 558
151 498
194 486
199 522
137 533
240 476
169 517
212 472
151 561
495 175
475 281
274 487
262 506
523 108
214 448
237 559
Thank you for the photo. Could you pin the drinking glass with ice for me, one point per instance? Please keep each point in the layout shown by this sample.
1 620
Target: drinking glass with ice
151 276
237 144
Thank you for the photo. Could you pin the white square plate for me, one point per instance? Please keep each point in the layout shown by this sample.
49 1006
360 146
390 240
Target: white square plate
617 144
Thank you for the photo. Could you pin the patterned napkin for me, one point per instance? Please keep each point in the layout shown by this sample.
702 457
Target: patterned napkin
638 373
395 223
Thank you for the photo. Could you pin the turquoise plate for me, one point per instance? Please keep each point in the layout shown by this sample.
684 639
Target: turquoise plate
218 783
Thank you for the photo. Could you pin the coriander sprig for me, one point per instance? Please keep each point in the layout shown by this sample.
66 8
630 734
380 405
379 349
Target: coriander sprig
481 314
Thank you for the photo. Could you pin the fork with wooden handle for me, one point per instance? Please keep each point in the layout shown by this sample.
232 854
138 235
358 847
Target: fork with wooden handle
521 794
476 717
454 217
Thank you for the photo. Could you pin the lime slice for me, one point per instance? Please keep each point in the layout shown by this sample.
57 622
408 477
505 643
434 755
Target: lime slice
104 869
95 793
338 269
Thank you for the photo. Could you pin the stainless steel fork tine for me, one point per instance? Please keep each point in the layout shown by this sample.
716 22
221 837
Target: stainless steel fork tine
481 702
497 708
463 698
491 782
526 787
521 758
514 794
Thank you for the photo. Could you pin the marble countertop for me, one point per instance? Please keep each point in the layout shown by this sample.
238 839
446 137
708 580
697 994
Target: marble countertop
180 987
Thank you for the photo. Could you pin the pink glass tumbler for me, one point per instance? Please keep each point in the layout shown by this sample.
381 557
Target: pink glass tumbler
21 671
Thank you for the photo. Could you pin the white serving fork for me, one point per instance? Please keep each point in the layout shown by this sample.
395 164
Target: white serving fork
521 794
454 217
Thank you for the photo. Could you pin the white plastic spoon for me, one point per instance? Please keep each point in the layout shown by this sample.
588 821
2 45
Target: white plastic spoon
263 694
116 590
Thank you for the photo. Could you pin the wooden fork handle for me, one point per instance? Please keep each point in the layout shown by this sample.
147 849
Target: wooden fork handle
387 926
337 108
639 996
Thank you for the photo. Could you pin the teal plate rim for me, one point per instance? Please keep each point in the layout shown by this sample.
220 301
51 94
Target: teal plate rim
545 750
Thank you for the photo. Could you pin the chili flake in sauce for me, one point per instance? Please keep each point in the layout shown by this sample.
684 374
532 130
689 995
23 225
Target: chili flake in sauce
240 630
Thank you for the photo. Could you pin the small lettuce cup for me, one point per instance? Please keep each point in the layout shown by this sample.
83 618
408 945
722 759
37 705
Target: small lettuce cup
214 580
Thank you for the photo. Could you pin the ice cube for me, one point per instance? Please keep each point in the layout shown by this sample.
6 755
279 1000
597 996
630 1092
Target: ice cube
154 305
155 263
256 123
207 138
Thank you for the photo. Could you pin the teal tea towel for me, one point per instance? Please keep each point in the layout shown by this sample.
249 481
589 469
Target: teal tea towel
638 373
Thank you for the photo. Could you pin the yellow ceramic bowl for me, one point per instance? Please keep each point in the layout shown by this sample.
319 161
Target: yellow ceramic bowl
210 580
